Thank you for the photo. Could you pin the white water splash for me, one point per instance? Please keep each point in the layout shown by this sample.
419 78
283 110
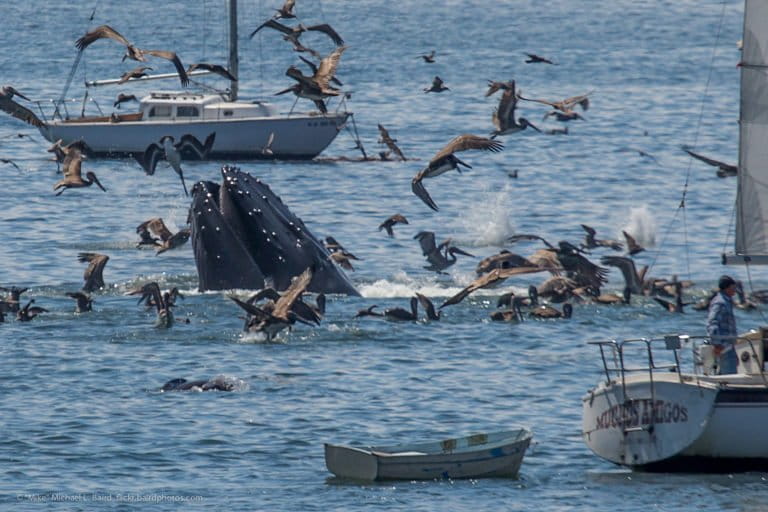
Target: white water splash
402 285
488 221
641 225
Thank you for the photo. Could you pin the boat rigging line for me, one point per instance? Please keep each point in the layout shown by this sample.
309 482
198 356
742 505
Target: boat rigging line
703 102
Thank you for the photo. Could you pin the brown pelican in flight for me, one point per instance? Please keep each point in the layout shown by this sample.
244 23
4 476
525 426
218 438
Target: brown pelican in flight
132 52
94 273
590 242
281 315
385 138
16 110
292 34
564 109
316 87
491 278
437 85
172 151
391 221
440 257
168 240
504 115
445 160
72 168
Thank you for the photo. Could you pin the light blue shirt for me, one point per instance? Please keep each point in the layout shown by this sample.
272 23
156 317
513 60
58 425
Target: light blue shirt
720 321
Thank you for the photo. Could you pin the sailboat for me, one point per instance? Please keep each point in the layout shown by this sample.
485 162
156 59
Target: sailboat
654 412
243 129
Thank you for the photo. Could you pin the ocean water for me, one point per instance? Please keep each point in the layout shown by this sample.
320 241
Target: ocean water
84 425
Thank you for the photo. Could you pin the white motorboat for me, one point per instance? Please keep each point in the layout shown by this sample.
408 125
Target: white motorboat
244 130
497 454
655 416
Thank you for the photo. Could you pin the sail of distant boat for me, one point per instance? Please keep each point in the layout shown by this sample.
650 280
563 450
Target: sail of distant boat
752 193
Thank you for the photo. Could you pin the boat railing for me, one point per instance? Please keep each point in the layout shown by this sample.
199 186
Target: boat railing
620 360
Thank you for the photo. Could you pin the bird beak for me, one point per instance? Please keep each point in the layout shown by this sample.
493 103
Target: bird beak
459 251
462 162
17 93
533 126
97 182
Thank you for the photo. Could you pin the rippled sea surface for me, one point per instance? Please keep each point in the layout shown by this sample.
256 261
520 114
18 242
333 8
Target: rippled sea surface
83 423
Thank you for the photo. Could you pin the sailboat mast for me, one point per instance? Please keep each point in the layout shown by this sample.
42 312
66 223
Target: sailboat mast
233 59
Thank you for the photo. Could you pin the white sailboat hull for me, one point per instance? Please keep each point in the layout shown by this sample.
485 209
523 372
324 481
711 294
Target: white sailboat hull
299 137
679 422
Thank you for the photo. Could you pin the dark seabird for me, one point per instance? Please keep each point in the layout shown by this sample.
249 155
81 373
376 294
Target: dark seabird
168 240
391 221
94 273
369 311
390 142
437 86
72 169
334 246
565 115
292 34
504 115
286 11
10 303
535 59
10 162
401 314
342 260
429 58
29 312
494 86
84 301
632 246
590 242
445 160
122 98
440 257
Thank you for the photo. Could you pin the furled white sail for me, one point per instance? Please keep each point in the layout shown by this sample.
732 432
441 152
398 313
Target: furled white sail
752 195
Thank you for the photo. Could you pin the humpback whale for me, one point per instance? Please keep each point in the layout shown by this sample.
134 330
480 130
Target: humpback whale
244 236
218 383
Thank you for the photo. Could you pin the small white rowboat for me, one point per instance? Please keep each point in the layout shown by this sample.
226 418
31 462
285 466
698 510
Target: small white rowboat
497 454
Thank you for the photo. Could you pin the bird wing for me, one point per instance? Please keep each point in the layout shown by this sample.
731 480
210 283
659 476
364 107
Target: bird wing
148 160
293 293
711 161
327 67
504 115
545 102
390 142
100 32
481 282
665 304
270 23
427 305
581 100
417 186
427 241
466 142
19 111
72 165
327 30
398 218
93 274
213 68
171 56
252 310
631 242
590 231
158 228
190 142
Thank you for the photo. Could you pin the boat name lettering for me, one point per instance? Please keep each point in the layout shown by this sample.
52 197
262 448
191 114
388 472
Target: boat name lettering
634 413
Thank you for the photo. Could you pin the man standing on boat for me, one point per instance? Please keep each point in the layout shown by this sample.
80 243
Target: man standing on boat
721 325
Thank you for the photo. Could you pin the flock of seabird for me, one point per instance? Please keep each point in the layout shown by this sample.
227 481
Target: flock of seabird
573 277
